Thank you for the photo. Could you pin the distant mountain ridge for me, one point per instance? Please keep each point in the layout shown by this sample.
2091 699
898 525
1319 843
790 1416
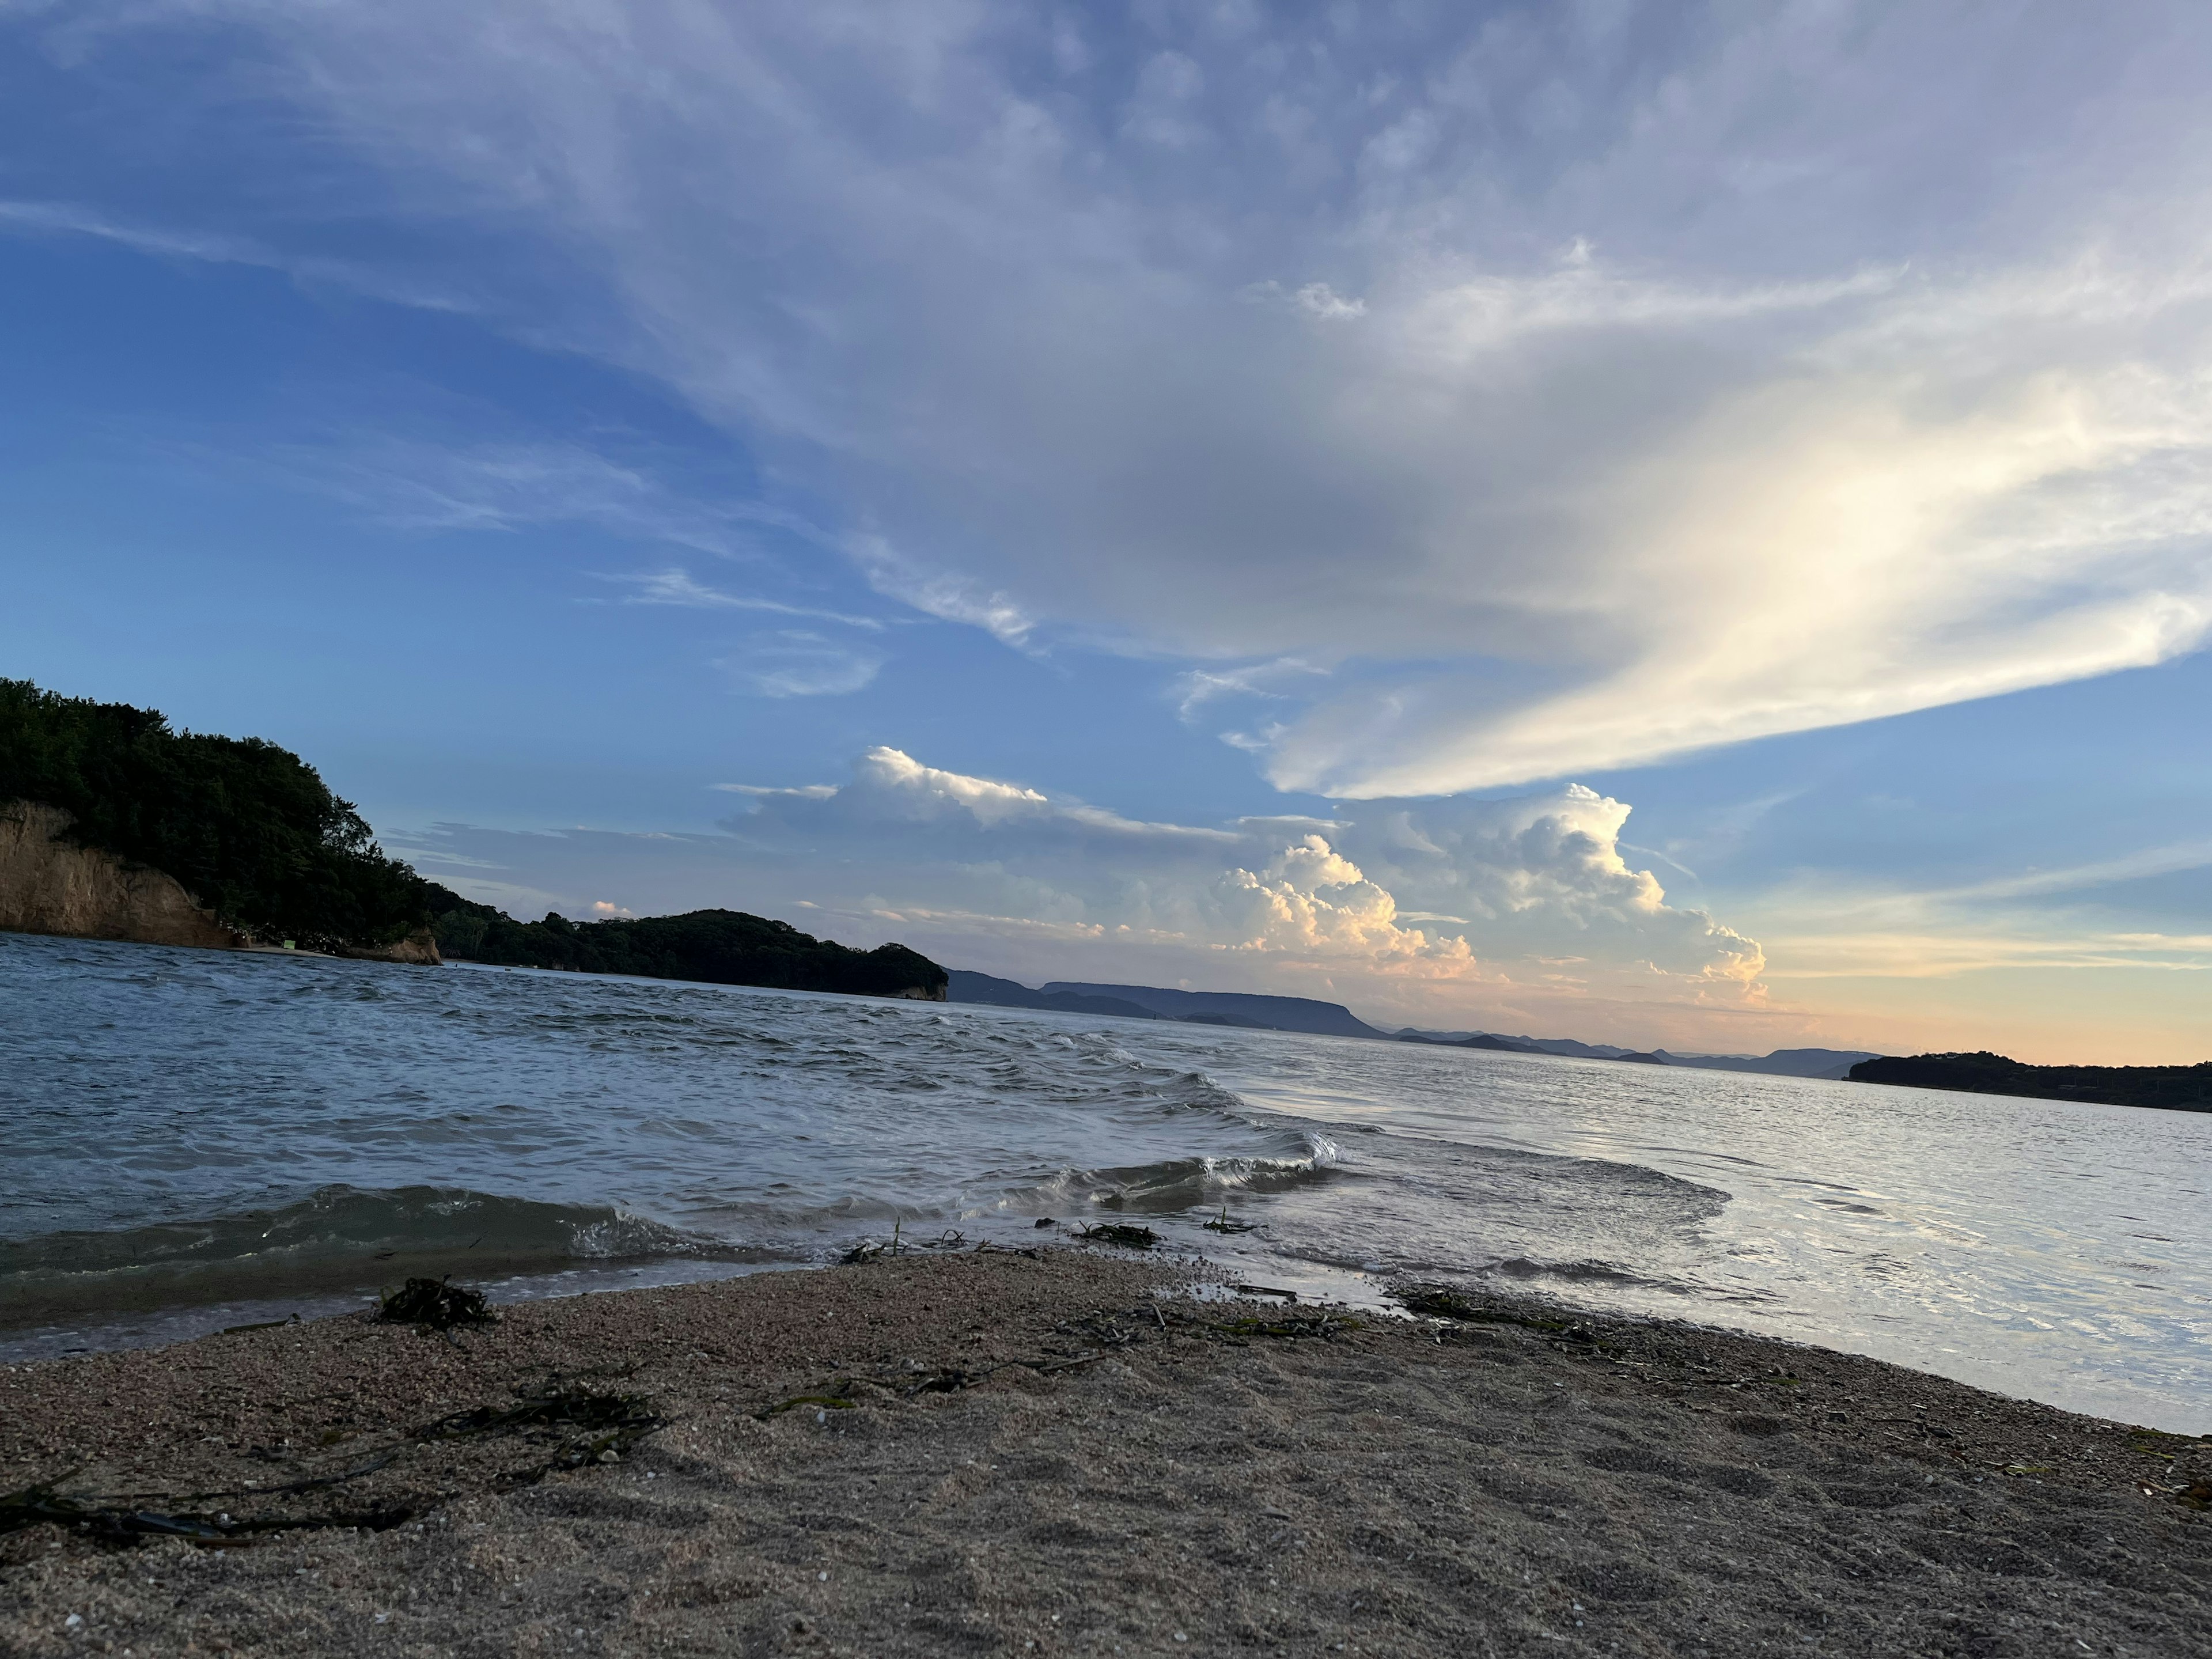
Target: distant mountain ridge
1238 1007
964 984
1833 1063
1235 1008
1268 1013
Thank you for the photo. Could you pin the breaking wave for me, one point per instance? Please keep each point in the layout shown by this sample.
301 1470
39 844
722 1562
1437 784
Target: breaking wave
339 1237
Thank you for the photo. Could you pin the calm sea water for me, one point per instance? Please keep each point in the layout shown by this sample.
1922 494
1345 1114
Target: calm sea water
194 1138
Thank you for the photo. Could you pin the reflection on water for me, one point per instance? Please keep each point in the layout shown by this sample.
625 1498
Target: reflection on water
193 1133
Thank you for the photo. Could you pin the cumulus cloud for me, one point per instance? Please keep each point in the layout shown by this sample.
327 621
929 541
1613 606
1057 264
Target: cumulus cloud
1544 875
1530 889
1619 384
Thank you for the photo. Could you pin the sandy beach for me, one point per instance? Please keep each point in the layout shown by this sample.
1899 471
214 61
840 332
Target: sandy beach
1064 1453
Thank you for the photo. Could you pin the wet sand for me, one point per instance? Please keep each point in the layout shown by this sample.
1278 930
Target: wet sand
1062 1454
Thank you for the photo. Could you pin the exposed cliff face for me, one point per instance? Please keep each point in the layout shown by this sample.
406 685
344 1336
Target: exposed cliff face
418 948
50 886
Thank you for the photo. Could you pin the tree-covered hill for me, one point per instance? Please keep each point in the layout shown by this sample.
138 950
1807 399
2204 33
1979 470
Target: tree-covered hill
2178 1088
249 828
252 833
723 947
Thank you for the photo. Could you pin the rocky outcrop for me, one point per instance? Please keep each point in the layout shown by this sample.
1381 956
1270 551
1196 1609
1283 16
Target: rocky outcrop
49 884
418 949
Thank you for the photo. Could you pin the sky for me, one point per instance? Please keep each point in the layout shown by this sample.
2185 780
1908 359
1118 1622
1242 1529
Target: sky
1669 524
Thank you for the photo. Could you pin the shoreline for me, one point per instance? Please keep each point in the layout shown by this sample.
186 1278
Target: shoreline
1059 1452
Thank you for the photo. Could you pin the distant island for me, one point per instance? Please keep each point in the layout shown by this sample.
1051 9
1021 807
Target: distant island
115 825
2176 1088
717 947
1270 1013
2179 1088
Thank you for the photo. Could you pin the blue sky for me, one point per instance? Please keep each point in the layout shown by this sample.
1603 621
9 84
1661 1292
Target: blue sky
1666 524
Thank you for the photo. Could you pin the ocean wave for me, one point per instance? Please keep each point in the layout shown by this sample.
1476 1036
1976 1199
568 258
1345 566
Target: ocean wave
1526 1270
336 1235
1179 1183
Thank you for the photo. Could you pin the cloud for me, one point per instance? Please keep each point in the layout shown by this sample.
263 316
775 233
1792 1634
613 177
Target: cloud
2080 916
676 588
937 592
504 487
1620 385
1544 874
1518 885
309 271
793 662
1197 687
1316 299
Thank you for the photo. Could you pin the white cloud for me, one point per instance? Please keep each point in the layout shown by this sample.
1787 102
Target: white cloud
1197 687
792 662
502 488
1544 874
678 588
1519 886
2079 916
357 277
937 592
1317 300
804 791
1876 372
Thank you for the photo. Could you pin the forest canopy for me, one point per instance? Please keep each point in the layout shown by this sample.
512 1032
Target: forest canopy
725 947
2177 1088
248 827
253 832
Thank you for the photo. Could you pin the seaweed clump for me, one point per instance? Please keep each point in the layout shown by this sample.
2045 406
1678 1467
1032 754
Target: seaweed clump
584 1426
1121 1233
578 1426
1442 1302
436 1303
1568 1336
113 1523
1290 1327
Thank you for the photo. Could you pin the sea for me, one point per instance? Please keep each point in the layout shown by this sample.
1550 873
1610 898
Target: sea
199 1140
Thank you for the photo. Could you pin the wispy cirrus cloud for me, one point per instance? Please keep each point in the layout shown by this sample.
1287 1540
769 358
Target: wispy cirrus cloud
2088 915
1196 688
678 587
1602 405
414 483
794 662
370 279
